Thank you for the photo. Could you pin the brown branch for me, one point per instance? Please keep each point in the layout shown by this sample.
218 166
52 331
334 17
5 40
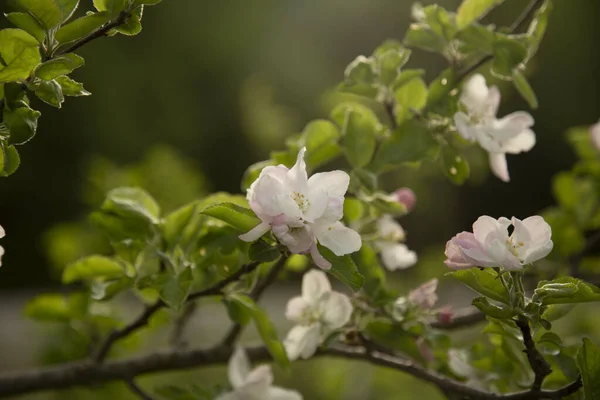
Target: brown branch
88 373
538 363
143 319
137 390
236 329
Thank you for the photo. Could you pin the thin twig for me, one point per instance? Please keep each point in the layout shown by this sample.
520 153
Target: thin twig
143 319
236 329
88 373
137 390
100 32
538 363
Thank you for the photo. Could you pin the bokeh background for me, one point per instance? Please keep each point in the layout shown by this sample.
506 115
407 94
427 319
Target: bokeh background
210 87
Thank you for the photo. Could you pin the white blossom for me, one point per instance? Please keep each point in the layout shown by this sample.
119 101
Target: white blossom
256 384
317 312
395 255
425 295
510 134
595 134
490 245
2 234
302 212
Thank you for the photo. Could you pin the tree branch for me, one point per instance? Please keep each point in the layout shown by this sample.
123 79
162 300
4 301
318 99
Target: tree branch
142 320
88 373
137 390
461 319
538 363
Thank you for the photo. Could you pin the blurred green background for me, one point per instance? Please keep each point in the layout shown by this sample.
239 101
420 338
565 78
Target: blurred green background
210 87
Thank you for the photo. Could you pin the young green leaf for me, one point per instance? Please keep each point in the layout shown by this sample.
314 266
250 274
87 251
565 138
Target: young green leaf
588 361
484 281
261 251
472 10
133 23
9 160
407 76
20 54
81 27
49 13
358 132
410 96
50 92
22 124
28 23
394 336
111 6
93 267
321 140
70 87
48 307
524 88
344 269
132 202
175 288
492 310
508 55
61 65
565 290
239 217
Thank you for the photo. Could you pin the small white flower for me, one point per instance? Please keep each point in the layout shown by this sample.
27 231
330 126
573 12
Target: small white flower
595 134
394 255
510 134
302 212
256 384
2 234
317 312
490 245
425 295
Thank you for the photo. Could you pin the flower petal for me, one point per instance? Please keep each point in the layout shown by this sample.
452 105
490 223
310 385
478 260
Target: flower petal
595 135
425 296
397 256
277 393
464 126
297 175
298 310
1 254
474 94
318 202
268 194
499 166
335 309
339 239
524 141
298 240
258 382
239 367
255 232
314 285
318 258
486 229
455 257
334 183
511 125
2 232
302 341
390 230
532 238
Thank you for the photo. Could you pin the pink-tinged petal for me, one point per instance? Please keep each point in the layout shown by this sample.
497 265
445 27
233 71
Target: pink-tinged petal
298 310
334 183
268 193
493 101
318 258
464 126
487 229
474 94
288 207
472 250
396 256
277 393
424 296
455 258
595 135
407 197
389 230
339 239
317 205
512 125
255 232
500 252
302 341
314 285
258 382
524 141
499 166
298 240
239 368
532 238
297 175
335 309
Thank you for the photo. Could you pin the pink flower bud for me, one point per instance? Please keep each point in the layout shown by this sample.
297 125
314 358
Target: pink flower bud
407 197
445 315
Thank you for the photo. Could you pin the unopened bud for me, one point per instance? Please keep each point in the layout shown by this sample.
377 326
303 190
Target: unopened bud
445 315
407 197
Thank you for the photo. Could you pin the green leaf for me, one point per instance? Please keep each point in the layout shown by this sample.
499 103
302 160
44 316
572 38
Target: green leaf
588 361
410 96
120 228
175 288
566 290
375 281
525 89
61 65
146 2
390 59
360 71
133 23
508 55
476 38
441 97
49 13
28 23
455 166
71 87
538 26
101 290
577 195
492 310
484 281
321 140
48 307
239 217
9 160
407 76
344 269
567 236
183 226
353 210
111 6
358 132
19 54
51 93
362 180
440 22
411 142
472 10
420 36
392 335
81 27
385 203
237 310
92 267
261 251
265 329
22 124
132 202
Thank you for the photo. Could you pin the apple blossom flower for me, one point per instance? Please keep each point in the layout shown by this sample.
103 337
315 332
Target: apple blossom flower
595 134
2 234
317 312
407 197
490 245
253 384
394 255
302 212
424 296
510 134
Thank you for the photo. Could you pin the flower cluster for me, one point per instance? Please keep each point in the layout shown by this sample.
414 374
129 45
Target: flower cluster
302 212
510 134
489 245
317 312
256 384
